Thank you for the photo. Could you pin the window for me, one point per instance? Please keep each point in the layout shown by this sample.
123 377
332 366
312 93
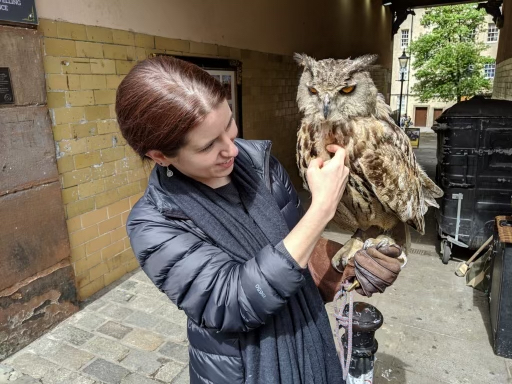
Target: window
489 71
404 42
405 72
404 104
492 33
472 35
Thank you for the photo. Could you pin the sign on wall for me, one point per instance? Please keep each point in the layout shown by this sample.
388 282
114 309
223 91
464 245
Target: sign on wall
18 12
6 92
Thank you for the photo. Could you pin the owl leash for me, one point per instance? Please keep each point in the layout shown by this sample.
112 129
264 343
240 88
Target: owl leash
344 294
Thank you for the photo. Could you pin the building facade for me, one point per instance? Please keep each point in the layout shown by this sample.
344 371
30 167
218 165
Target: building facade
423 114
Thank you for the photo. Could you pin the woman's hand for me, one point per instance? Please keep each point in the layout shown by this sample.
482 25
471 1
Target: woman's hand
327 181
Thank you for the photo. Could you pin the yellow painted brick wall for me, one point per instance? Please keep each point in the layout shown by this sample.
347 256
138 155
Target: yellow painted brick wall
101 176
503 81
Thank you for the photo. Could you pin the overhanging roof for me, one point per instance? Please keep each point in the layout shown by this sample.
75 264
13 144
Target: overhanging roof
401 4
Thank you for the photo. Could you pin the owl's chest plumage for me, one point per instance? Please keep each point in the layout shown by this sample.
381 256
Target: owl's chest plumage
359 207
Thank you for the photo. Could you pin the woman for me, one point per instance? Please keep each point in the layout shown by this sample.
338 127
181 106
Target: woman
220 231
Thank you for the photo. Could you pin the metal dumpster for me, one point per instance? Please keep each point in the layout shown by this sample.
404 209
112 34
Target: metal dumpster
474 169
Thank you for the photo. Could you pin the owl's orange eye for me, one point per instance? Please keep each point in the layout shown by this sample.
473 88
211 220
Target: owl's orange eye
348 89
312 90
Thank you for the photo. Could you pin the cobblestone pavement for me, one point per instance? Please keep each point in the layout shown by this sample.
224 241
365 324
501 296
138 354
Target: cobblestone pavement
129 334
436 330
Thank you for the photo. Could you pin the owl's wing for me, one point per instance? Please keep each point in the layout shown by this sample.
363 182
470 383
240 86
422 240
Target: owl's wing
390 168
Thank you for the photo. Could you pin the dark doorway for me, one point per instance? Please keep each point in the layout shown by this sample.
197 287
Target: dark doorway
437 112
420 116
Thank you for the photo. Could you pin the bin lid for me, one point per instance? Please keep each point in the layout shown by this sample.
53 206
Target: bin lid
479 106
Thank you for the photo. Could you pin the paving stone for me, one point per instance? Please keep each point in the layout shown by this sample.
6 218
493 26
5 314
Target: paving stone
141 276
71 334
89 320
33 365
70 357
115 330
95 305
26 380
106 371
133 378
172 332
107 349
44 345
116 312
143 362
175 351
148 290
5 373
142 319
145 304
169 371
183 377
171 313
128 285
143 339
65 376
119 296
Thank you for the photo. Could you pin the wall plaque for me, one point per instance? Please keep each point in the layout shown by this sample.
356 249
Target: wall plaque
18 12
6 91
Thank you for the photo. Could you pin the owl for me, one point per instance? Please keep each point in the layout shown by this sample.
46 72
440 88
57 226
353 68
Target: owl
387 191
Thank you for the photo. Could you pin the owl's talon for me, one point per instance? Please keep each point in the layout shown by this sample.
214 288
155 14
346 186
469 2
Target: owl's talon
368 244
341 258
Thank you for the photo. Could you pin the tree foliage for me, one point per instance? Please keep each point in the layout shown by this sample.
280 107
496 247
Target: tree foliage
448 59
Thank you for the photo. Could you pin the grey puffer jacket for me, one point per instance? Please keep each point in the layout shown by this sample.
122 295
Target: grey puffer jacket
195 274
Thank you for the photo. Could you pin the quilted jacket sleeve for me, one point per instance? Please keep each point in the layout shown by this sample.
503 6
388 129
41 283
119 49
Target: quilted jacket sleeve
214 291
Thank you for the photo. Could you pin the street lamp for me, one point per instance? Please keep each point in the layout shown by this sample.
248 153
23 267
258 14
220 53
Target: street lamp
402 60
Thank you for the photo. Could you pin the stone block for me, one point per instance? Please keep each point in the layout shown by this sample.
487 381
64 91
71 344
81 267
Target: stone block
87 49
25 62
107 349
123 37
118 208
27 249
86 263
110 225
169 371
144 41
56 99
88 320
124 66
172 332
92 81
59 47
142 320
70 357
84 129
91 288
118 52
27 139
204 48
116 312
91 188
79 98
79 207
71 334
105 96
113 81
47 27
106 198
115 330
69 195
99 34
68 115
172 44
134 378
71 31
96 112
142 362
103 66
175 351
112 154
84 160
142 339
97 244
65 376
106 371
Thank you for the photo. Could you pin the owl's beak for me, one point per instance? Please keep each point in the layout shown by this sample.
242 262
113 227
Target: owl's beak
327 106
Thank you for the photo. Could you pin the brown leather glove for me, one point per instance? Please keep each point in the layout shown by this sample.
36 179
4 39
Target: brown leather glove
376 268
326 278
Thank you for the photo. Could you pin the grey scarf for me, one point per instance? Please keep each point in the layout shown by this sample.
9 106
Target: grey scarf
294 346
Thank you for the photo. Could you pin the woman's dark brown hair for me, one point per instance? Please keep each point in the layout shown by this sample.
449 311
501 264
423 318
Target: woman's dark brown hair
160 100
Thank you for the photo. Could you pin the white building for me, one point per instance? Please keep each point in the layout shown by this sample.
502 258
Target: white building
424 114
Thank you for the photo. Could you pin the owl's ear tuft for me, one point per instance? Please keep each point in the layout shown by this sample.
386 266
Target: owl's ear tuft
364 62
303 60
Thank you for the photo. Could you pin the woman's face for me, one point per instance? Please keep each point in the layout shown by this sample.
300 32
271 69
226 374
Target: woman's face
209 154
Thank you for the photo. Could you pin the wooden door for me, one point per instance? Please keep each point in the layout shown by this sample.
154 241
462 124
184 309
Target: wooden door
420 116
437 112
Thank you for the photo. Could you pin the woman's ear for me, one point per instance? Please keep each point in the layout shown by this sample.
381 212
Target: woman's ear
158 157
